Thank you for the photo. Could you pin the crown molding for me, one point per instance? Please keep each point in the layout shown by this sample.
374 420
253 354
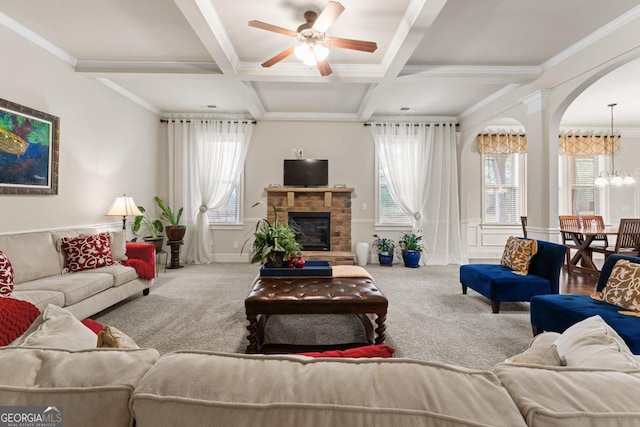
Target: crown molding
122 91
152 67
489 99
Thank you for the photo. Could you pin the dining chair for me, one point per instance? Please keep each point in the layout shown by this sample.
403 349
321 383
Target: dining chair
600 239
569 221
523 221
627 240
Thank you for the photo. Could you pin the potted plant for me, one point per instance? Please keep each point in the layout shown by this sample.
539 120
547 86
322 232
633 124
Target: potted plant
274 243
175 232
385 249
411 246
151 228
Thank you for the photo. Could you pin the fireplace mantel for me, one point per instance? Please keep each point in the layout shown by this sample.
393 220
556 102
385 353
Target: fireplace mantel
292 191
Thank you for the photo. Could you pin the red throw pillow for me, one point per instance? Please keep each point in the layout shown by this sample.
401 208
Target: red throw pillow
6 275
88 252
379 350
15 317
93 325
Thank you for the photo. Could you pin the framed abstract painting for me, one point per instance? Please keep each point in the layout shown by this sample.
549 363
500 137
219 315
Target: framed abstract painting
29 150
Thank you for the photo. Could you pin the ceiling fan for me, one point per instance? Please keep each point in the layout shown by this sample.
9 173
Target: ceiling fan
313 46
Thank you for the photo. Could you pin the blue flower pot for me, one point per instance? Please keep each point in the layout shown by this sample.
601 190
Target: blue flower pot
385 259
411 259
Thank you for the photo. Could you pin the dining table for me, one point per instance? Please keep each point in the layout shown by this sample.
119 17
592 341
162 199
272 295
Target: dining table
583 237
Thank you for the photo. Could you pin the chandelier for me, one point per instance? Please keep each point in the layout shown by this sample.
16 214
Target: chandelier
613 177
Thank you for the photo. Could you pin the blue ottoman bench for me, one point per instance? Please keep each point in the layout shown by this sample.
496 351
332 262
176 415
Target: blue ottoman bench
556 313
498 283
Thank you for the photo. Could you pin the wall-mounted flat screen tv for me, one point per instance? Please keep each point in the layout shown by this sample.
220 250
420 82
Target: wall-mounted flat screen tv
306 173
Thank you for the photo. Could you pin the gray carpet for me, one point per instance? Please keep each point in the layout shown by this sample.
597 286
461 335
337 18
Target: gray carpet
202 307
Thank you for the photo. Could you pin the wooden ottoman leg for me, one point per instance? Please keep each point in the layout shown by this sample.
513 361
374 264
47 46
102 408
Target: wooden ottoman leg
381 328
253 335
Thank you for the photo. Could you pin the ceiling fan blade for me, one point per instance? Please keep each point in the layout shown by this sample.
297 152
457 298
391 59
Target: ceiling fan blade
328 16
324 67
270 27
279 57
362 45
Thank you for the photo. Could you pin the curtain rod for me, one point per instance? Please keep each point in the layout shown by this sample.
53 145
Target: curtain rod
414 124
189 121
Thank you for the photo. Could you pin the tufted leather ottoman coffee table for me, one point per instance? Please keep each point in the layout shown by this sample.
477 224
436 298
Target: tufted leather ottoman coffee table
314 295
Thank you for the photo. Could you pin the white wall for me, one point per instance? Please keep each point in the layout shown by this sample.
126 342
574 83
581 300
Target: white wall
350 151
108 144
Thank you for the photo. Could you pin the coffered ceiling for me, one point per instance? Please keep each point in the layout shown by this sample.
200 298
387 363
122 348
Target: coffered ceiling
435 58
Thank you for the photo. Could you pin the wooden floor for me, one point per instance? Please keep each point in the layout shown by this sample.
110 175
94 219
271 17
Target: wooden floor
577 283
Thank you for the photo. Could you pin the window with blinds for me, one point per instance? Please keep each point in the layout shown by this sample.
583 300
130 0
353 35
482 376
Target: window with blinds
229 213
389 213
503 178
584 193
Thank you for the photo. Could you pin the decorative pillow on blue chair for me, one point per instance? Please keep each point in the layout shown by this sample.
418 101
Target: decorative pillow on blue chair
518 253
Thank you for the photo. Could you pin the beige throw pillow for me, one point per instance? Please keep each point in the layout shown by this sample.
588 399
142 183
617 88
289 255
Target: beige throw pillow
592 343
539 355
111 337
518 253
59 329
119 245
623 285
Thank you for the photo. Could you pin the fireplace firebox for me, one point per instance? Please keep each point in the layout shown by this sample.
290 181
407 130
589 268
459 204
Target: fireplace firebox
315 230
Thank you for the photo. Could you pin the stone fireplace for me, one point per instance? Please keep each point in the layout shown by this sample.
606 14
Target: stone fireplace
316 206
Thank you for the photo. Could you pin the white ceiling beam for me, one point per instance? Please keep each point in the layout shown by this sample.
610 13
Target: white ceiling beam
206 24
419 16
147 67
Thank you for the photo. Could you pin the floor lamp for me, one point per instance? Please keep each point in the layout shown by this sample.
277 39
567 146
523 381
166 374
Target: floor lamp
124 206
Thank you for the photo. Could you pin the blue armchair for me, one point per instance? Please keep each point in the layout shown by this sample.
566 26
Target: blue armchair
498 283
555 313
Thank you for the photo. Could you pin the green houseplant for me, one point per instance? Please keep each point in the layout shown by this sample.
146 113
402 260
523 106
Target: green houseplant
148 228
175 231
385 248
273 242
411 246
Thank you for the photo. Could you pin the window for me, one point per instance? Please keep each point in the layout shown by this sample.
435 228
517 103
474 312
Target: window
503 188
582 195
389 213
230 213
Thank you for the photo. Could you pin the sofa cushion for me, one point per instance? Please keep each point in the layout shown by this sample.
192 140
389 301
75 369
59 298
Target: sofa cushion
32 255
498 283
6 275
623 285
75 286
88 252
569 397
15 318
59 329
40 298
295 391
93 386
119 245
517 254
591 343
121 274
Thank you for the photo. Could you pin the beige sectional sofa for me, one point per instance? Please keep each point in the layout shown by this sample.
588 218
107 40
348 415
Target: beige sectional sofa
586 376
40 278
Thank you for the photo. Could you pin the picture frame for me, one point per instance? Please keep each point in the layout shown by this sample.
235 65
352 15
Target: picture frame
29 150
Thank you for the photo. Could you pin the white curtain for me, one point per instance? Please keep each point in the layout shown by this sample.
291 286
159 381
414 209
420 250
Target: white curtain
206 158
420 165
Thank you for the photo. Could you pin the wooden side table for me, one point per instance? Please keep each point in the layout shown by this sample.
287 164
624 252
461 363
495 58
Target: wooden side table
175 253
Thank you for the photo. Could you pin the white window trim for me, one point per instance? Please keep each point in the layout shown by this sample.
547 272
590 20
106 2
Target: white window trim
564 191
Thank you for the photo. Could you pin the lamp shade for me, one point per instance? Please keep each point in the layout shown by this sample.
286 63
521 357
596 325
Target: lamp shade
124 206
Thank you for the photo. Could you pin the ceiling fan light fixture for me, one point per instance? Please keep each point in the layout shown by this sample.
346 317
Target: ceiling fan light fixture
310 53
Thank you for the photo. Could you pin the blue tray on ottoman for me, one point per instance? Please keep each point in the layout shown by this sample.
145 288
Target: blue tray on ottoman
311 268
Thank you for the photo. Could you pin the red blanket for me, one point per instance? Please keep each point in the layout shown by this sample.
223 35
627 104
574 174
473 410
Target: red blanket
142 257
15 317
